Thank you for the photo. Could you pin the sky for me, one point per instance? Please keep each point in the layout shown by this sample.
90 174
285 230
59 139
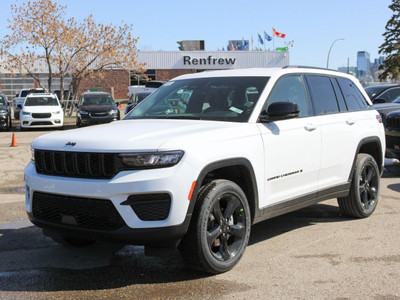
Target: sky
312 25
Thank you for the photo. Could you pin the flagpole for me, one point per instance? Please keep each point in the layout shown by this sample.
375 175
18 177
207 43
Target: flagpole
273 39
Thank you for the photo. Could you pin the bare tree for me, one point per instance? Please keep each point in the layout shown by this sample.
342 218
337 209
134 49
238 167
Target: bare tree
42 37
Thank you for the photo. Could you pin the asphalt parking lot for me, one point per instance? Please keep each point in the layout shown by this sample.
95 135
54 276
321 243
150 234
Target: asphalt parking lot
313 253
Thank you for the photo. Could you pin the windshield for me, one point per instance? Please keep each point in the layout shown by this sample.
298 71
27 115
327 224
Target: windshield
220 99
34 91
372 91
2 100
41 101
97 100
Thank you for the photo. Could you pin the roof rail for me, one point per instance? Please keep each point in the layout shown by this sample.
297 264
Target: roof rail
308 67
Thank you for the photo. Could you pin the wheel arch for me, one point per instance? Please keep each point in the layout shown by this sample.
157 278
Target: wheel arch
238 170
372 146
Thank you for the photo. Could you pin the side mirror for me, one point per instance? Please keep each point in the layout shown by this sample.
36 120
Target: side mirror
19 106
76 105
280 111
117 104
378 101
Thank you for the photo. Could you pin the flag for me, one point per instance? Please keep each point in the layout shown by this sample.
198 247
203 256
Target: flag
260 39
233 47
267 37
281 49
278 34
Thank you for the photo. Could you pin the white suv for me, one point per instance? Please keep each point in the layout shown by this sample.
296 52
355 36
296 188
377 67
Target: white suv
41 110
206 156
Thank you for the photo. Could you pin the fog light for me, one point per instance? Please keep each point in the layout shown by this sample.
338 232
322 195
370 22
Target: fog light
57 121
25 122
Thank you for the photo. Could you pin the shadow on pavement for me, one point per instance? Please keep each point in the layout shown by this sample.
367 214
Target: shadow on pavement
33 262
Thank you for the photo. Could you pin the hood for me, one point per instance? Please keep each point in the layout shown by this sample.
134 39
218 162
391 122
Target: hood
141 135
42 109
98 108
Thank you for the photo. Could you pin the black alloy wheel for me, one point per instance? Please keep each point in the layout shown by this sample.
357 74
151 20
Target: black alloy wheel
364 191
219 229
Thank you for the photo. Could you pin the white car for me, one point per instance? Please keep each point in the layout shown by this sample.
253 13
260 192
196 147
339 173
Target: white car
207 155
41 110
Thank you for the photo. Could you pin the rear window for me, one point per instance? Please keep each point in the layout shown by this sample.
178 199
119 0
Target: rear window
152 84
353 97
323 95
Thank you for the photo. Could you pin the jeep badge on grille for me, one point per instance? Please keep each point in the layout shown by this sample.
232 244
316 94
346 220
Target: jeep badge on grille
70 144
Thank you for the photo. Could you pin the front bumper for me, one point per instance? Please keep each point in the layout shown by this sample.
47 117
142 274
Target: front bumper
392 144
90 120
56 120
4 121
117 190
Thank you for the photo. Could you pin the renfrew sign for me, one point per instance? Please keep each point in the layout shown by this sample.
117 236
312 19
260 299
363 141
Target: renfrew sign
188 61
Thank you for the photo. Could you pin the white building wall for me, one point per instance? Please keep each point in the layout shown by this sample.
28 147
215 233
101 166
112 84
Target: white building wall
205 60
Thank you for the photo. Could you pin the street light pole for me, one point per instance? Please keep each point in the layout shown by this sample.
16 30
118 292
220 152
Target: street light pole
327 61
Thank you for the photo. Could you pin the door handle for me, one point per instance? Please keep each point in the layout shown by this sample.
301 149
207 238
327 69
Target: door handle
310 127
350 121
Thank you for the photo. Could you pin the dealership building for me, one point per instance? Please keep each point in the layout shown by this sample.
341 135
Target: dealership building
159 65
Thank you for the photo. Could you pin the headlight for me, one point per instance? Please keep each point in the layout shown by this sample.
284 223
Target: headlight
25 113
82 112
152 159
113 112
32 155
3 112
57 112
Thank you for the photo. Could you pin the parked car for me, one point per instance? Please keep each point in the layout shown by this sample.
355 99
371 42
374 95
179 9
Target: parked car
96 108
41 110
19 99
246 146
5 113
384 93
138 97
58 93
150 86
390 114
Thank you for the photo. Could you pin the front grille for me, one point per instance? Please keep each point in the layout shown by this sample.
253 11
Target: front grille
393 122
99 114
41 123
393 142
76 164
85 212
150 207
41 115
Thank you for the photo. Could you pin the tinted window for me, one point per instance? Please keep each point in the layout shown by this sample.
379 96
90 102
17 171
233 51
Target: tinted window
390 95
290 89
323 95
353 97
339 95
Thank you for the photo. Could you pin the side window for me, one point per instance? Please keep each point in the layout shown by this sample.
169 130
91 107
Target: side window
390 95
290 89
339 95
353 97
323 95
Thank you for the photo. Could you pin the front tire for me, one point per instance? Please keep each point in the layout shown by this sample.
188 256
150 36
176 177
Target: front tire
364 191
219 230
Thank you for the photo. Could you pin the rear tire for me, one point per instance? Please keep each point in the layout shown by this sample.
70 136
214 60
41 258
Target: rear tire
219 230
364 191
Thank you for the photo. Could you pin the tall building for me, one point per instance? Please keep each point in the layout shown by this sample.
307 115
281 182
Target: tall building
363 64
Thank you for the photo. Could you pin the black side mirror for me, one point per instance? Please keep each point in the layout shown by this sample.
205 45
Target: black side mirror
117 104
19 106
378 101
280 111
